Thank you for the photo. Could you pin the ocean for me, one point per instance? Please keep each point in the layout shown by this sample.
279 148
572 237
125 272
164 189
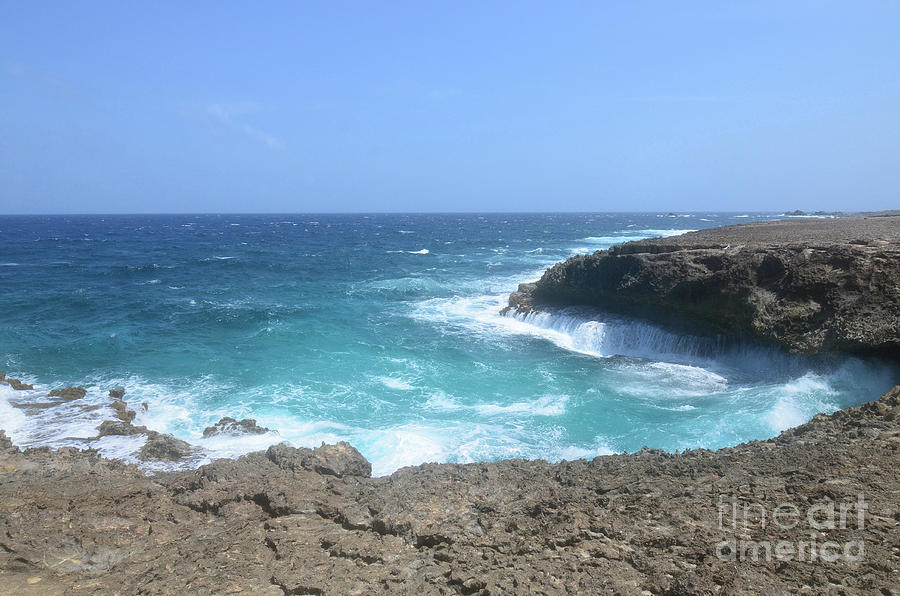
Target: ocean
383 330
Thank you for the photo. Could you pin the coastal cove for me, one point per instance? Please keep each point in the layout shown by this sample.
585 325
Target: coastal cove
381 330
811 510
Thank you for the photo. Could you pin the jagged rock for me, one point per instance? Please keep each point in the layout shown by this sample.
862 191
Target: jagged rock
806 285
164 447
338 460
230 425
5 443
157 447
520 300
117 392
15 383
69 393
118 427
122 411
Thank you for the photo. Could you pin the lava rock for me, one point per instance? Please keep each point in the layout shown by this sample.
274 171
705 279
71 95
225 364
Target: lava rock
341 459
228 425
69 393
164 447
14 383
118 427
122 411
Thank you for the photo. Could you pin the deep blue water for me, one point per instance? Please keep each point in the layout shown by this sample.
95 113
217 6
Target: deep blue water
383 330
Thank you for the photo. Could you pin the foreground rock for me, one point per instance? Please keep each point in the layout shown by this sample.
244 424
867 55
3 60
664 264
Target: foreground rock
811 286
277 522
338 460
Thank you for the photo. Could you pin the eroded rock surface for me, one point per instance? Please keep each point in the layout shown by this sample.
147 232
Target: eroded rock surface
228 425
811 286
14 383
158 446
271 523
69 393
341 459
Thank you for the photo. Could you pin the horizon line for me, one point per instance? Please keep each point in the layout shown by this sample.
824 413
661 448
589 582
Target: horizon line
640 212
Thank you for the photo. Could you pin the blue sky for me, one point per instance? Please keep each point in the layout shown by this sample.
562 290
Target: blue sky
110 107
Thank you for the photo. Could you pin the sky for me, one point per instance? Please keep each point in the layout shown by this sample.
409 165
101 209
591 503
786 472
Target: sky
170 107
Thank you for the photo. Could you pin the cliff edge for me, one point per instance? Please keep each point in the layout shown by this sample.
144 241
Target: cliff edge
810 286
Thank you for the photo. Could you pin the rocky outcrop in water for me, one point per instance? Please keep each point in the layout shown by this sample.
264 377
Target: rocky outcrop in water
811 286
119 406
158 446
228 425
69 393
652 522
14 383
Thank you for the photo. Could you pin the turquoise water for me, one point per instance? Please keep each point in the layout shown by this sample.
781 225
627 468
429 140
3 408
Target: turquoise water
383 330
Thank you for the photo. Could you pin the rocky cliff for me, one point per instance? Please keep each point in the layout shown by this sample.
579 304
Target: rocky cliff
811 286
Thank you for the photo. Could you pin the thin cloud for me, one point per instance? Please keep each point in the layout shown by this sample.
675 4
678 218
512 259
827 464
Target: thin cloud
48 83
671 99
444 93
228 115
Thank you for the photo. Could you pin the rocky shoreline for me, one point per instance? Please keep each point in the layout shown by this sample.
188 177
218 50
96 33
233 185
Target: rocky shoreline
814 510
312 521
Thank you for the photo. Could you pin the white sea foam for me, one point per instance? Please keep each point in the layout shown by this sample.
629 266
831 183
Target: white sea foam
610 240
63 425
395 383
666 381
574 329
388 448
423 251
572 452
13 419
665 233
410 284
413 444
629 236
547 405
798 400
